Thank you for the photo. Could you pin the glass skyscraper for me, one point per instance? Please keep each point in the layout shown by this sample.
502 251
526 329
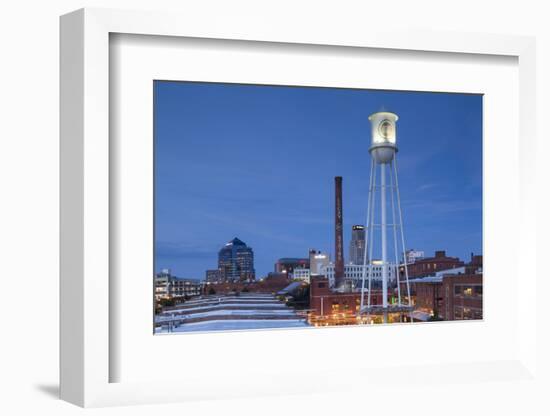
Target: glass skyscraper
357 245
236 261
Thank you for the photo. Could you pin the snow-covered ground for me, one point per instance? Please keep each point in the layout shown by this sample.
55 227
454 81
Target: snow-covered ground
233 325
232 299
222 305
228 313
225 312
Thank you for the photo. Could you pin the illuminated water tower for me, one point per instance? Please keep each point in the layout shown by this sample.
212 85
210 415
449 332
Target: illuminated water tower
383 151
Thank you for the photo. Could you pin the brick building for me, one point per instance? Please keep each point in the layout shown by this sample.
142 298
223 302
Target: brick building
462 297
475 265
428 294
435 293
325 302
288 264
449 296
430 265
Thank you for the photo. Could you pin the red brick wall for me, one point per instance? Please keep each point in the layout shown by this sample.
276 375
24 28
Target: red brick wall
425 267
441 299
462 305
430 296
322 299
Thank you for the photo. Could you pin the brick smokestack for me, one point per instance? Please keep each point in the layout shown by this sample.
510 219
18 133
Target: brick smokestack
338 234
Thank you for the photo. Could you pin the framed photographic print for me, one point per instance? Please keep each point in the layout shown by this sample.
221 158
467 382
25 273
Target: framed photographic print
304 185
231 201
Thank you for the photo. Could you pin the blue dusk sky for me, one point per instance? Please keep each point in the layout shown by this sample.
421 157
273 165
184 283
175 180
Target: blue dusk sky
258 163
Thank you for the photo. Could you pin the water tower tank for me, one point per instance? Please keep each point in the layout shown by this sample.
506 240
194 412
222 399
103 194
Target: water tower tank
384 134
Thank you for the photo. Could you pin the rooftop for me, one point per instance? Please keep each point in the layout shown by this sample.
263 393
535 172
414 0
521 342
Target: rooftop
292 260
438 278
236 242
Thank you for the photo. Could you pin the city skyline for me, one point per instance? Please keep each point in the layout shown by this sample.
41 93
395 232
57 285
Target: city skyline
256 163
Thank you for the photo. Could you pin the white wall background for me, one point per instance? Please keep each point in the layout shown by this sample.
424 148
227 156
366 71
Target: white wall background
29 198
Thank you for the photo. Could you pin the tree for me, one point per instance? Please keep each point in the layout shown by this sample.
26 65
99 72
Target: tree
300 298
211 291
167 302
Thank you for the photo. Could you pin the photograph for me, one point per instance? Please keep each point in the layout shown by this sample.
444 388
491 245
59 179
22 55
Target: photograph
284 207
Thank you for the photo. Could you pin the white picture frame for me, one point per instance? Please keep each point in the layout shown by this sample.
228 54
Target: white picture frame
86 264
